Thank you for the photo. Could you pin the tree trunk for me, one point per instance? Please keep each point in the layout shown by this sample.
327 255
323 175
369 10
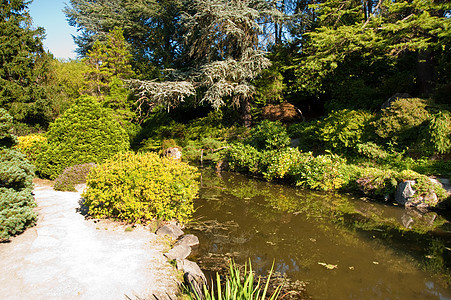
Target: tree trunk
245 106
425 72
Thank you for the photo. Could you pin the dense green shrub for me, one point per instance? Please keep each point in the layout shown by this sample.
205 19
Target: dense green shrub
399 123
140 187
437 134
280 163
269 135
72 176
16 175
344 129
84 133
372 151
7 139
243 158
322 172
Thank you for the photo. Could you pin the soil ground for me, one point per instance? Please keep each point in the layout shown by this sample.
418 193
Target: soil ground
66 256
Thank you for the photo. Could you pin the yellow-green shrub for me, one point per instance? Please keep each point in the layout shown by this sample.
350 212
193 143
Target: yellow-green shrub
31 145
140 187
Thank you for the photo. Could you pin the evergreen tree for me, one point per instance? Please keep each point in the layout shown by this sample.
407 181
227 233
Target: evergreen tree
23 65
363 51
150 26
222 56
107 60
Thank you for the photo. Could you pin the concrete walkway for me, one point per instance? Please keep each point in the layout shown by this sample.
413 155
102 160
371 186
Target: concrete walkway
68 257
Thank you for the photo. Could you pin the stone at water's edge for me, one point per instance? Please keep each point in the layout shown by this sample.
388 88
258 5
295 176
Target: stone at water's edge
405 195
193 275
178 252
171 230
173 153
404 192
189 240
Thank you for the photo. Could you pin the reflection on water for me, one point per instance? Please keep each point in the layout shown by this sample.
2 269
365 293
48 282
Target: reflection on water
344 248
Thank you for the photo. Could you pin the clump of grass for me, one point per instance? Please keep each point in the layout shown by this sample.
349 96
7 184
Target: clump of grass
236 287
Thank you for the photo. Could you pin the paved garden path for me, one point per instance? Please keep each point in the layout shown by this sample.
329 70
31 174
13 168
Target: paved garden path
68 257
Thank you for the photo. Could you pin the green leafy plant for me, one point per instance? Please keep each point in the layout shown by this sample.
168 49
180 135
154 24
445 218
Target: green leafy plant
322 172
71 176
437 134
85 133
371 151
344 129
238 287
16 175
280 163
307 133
243 158
138 188
269 135
376 182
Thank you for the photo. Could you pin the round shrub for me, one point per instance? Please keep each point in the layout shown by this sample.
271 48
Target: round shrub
84 133
399 122
71 176
16 176
141 187
269 135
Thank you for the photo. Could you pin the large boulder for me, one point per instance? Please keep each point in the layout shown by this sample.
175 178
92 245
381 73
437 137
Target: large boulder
174 153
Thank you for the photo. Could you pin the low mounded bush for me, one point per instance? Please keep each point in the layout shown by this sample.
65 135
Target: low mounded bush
137 188
85 133
72 176
16 176
322 172
280 163
376 182
269 135
399 123
243 158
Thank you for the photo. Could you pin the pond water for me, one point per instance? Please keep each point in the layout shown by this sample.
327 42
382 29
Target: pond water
322 239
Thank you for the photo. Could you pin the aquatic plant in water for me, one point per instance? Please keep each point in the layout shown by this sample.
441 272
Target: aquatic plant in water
237 288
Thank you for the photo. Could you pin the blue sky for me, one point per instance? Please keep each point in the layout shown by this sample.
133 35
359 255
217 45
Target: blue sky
48 14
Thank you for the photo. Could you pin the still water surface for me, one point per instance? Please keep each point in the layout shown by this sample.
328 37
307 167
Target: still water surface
247 219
